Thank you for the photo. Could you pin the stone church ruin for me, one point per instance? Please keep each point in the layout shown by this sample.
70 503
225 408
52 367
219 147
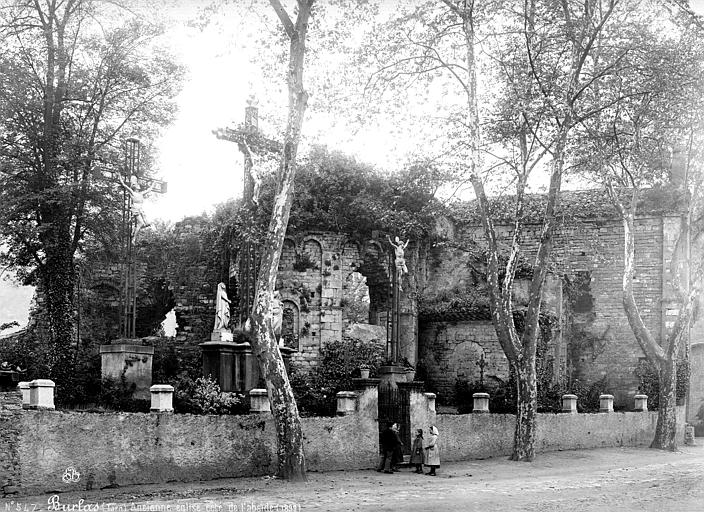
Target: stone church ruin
336 283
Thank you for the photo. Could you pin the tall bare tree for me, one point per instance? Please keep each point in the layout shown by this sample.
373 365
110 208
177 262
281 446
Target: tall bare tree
663 114
545 56
291 458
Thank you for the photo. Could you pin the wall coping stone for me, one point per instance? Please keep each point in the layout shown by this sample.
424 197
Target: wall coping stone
365 383
161 388
42 383
124 347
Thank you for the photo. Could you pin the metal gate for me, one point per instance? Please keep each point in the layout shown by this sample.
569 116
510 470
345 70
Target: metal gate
394 407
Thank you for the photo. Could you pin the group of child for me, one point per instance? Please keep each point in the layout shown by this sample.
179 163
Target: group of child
426 453
423 452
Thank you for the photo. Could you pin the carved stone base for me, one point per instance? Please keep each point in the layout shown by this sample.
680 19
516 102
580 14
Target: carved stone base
222 335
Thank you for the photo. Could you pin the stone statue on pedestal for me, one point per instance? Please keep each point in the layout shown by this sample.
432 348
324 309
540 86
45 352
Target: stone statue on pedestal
222 315
277 310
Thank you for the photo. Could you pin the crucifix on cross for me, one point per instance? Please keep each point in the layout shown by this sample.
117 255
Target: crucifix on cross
257 150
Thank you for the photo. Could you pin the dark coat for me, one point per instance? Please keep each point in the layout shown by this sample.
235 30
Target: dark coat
417 452
390 440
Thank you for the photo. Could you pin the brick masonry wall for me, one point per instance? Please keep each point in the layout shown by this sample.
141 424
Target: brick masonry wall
10 431
596 247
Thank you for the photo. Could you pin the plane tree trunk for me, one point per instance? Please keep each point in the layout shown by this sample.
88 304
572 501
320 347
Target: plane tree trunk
291 457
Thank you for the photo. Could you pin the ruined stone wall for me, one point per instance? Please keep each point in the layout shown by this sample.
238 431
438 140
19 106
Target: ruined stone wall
449 352
589 252
316 277
176 267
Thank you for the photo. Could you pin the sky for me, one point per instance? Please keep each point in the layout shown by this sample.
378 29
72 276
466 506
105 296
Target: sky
202 170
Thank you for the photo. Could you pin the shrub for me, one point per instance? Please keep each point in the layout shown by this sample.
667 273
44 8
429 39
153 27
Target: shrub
339 363
205 397
650 382
502 395
117 394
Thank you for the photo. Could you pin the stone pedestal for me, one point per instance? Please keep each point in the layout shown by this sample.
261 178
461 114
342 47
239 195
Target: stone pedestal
606 403
41 394
221 335
132 361
259 401
569 404
641 403
689 434
346 402
162 398
24 389
231 365
481 403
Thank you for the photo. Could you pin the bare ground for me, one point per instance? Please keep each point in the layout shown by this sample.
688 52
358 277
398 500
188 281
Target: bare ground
618 479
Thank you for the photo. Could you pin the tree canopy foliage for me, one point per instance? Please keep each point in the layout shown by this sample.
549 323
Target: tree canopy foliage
76 78
336 192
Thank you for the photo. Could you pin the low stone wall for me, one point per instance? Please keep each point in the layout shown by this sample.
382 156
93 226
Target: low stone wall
44 451
479 436
133 448
10 429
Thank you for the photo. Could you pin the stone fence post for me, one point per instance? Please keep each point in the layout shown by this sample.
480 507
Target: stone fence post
641 403
689 434
606 403
346 402
481 402
41 394
162 398
259 401
569 404
24 389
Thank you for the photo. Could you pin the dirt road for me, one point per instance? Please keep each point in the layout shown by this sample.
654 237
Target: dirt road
620 479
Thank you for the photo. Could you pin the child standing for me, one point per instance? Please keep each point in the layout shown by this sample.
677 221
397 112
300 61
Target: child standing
417 455
433 458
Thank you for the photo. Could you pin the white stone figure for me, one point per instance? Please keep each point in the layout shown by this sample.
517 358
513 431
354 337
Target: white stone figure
400 261
277 310
277 319
255 172
222 309
137 206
